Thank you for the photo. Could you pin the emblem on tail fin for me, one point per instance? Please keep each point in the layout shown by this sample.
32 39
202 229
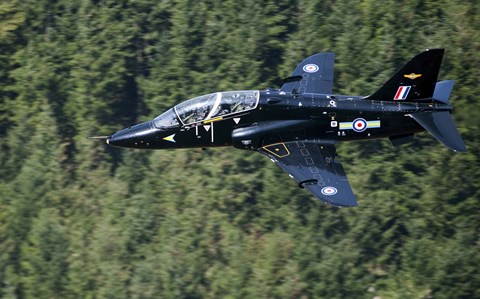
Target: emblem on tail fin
412 76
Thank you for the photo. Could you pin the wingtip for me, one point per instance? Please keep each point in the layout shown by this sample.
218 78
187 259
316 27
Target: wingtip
462 149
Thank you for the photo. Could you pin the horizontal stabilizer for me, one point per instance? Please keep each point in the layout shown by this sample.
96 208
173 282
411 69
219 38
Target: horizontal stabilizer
442 91
441 126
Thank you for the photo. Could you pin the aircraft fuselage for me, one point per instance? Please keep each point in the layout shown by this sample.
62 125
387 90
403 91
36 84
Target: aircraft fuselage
285 117
298 125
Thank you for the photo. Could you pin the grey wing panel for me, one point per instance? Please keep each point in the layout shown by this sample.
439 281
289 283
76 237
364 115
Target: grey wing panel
315 167
313 75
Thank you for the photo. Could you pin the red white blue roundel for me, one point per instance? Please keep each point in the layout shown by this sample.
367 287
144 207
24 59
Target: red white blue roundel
310 68
329 191
359 125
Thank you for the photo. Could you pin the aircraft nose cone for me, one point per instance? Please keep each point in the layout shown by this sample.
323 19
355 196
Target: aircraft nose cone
120 138
138 136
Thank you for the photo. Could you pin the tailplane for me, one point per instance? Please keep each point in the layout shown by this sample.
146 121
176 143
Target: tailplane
442 91
415 81
441 126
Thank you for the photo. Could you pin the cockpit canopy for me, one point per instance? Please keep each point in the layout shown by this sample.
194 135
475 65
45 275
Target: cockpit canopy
205 107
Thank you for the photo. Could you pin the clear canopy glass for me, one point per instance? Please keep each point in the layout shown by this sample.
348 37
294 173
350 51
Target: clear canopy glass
168 119
205 107
196 109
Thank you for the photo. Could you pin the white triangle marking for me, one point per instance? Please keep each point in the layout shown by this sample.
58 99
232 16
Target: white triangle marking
207 127
236 120
170 138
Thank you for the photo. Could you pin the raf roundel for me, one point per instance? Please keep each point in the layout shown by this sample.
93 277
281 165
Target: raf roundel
310 68
329 191
359 125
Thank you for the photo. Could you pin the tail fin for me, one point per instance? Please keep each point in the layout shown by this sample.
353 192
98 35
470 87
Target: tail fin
441 126
415 81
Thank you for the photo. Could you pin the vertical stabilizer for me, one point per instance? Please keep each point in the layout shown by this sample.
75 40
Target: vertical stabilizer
413 82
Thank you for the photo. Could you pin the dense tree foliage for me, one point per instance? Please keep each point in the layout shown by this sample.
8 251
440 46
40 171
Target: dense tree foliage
81 220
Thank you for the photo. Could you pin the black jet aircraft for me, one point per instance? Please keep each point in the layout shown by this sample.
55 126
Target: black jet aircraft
298 125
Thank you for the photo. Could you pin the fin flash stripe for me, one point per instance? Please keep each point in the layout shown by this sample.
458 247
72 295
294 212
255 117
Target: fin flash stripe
402 92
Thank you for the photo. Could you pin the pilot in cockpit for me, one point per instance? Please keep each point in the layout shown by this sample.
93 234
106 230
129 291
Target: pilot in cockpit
249 101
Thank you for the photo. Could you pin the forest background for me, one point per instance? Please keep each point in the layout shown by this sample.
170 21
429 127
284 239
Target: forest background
79 219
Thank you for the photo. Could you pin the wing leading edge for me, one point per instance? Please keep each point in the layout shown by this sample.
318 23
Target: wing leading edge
316 167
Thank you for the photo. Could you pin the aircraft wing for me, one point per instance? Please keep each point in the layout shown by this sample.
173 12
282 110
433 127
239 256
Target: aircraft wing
316 167
313 75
